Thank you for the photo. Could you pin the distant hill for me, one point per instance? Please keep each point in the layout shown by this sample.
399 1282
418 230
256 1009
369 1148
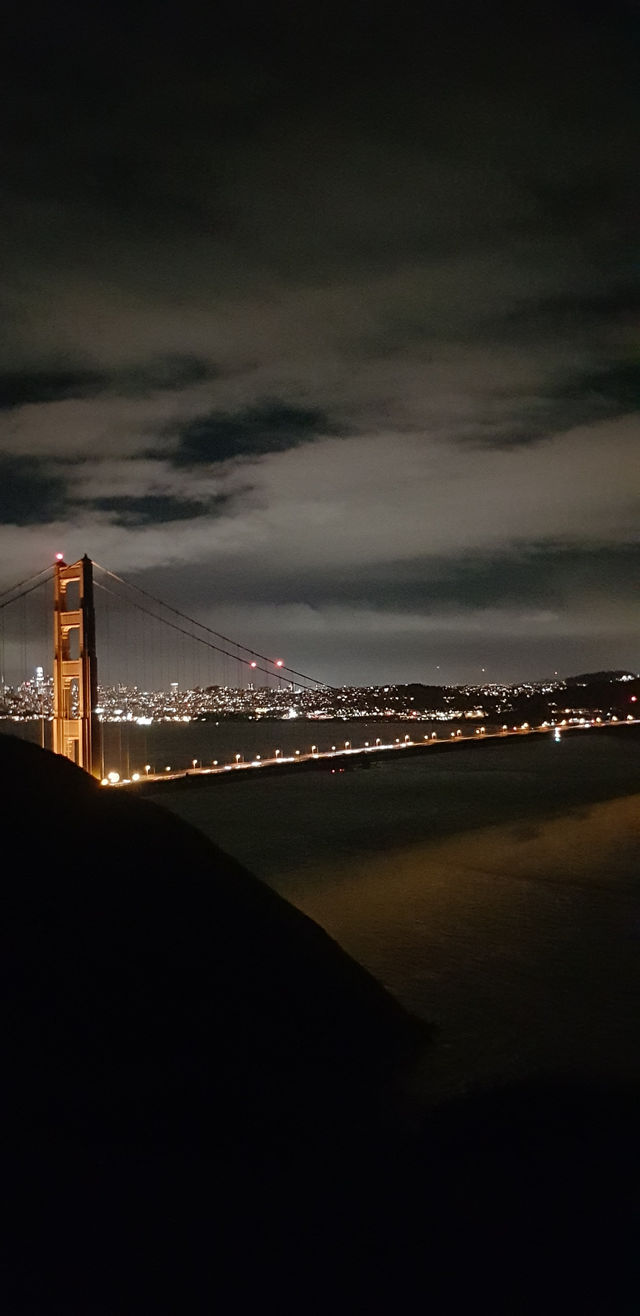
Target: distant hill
588 678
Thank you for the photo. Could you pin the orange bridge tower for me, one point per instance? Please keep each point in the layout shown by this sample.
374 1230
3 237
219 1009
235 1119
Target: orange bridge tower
76 729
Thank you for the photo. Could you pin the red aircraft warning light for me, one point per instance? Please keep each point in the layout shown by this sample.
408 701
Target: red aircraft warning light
253 664
59 557
279 662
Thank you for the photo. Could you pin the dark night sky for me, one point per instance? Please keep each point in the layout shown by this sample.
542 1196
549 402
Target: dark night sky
323 323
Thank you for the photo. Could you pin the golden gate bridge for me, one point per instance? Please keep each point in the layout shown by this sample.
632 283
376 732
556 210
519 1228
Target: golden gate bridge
68 610
83 603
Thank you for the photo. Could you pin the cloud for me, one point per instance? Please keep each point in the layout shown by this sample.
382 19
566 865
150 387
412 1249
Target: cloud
21 388
314 310
269 427
30 494
149 509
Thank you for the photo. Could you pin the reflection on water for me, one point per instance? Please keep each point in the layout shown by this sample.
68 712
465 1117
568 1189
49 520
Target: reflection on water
496 893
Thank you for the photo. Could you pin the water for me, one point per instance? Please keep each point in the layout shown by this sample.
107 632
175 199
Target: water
495 893
127 747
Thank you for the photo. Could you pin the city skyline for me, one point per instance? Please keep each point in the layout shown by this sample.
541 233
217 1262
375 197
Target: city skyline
324 328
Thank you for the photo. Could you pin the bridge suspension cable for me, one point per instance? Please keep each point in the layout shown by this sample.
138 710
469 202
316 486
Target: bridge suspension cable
182 630
6 602
253 654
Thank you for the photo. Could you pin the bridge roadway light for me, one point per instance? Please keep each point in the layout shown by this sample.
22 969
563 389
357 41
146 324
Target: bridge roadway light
347 744
238 757
147 768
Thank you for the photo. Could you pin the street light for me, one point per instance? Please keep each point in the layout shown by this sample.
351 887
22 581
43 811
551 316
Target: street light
147 768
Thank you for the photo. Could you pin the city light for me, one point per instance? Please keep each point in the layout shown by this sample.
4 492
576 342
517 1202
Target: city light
113 777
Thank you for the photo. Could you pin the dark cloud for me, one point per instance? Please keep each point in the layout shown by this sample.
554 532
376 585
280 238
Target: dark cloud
30 493
543 578
611 390
163 372
21 388
272 426
154 509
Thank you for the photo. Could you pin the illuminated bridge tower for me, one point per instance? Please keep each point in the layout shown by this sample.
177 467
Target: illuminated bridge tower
76 730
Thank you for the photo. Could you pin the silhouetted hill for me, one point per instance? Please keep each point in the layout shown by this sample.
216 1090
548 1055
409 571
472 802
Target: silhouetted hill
587 678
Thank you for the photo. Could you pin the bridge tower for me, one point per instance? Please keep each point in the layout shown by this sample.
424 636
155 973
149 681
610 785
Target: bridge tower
76 729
